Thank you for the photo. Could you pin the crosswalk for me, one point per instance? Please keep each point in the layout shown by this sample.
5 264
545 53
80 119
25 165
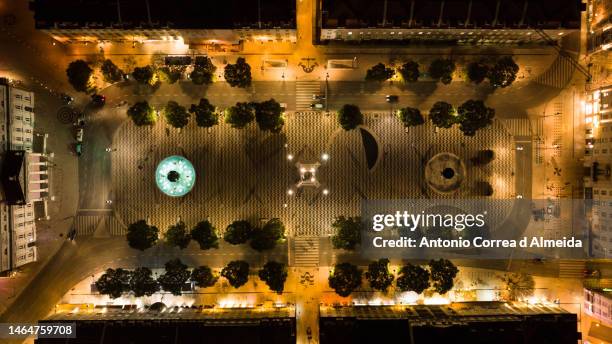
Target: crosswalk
573 268
559 74
305 251
303 93
517 126
102 225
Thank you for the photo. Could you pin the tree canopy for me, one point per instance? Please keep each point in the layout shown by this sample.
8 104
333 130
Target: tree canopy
238 232
114 282
236 272
442 115
379 73
473 115
203 71
269 115
413 278
409 71
142 282
275 275
503 72
442 70
175 277
205 234
142 113
239 115
411 117
143 75
238 74
205 113
378 275
203 277
345 278
176 115
170 74
518 285
443 273
79 75
350 116
348 232
111 72
477 71
266 237
177 235
141 236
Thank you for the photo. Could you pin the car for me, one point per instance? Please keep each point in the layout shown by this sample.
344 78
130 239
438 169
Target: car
79 148
317 106
98 100
66 99
318 97
391 98
79 135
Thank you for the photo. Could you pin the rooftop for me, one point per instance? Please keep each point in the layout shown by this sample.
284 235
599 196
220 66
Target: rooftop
551 14
178 14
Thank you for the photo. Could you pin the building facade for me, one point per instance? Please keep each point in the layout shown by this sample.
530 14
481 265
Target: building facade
139 21
24 178
597 167
598 304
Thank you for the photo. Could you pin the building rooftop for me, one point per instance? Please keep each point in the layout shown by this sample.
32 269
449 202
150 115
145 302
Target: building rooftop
161 324
178 14
469 322
492 14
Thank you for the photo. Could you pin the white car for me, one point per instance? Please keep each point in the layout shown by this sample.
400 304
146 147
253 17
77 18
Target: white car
79 135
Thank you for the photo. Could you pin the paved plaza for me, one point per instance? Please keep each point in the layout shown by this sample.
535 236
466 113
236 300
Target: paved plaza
248 174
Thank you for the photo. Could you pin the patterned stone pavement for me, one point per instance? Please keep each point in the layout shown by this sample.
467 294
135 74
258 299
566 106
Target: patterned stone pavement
245 174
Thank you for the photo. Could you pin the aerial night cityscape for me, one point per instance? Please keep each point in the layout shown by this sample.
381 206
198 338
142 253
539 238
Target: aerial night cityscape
306 171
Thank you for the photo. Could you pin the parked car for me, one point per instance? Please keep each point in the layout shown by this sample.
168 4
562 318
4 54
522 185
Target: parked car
98 100
79 148
318 97
391 98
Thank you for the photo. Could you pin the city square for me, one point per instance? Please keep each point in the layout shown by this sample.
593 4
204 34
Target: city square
218 167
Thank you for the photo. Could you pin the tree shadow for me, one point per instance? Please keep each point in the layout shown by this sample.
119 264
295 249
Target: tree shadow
372 86
192 90
483 90
422 89
144 89
262 151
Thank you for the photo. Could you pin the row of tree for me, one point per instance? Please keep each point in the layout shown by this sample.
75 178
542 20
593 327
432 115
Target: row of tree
140 281
439 69
501 73
80 73
268 114
438 276
142 236
471 116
